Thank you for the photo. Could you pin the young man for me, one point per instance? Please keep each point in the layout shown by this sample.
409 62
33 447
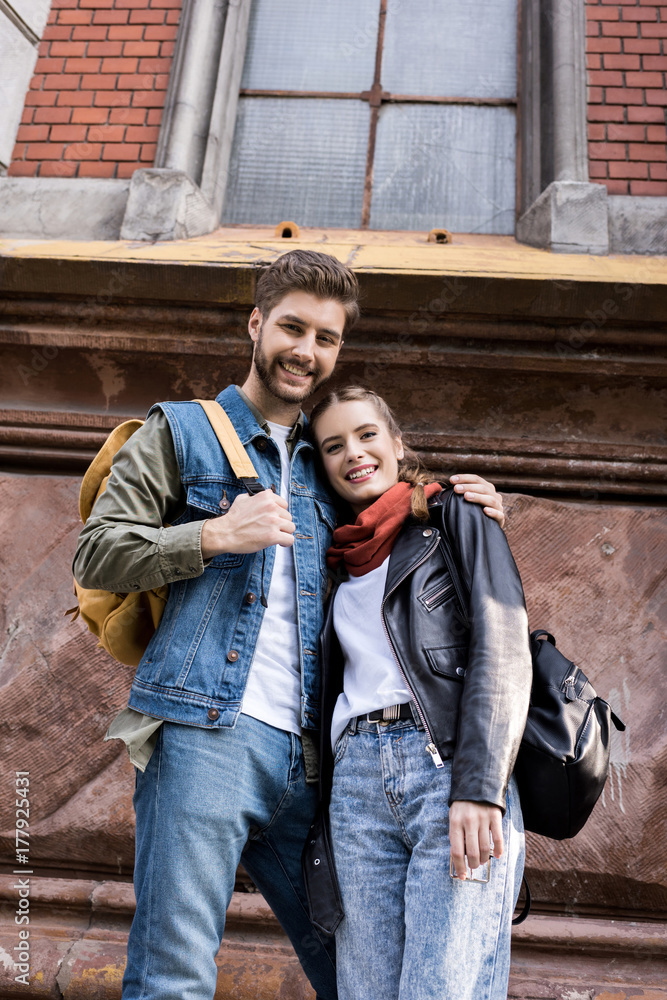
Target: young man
225 701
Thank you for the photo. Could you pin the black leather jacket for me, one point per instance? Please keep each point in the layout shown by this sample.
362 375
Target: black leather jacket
470 670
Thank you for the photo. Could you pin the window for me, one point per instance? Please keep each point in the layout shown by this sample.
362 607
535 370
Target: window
380 114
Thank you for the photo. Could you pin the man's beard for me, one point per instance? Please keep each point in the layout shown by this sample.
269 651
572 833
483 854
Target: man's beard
288 394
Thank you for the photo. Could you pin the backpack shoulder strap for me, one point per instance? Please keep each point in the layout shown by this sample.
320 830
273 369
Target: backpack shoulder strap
231 444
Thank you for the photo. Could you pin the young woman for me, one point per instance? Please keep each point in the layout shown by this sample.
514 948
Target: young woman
425 695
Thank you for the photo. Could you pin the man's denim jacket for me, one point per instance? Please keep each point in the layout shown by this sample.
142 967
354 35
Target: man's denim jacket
196 665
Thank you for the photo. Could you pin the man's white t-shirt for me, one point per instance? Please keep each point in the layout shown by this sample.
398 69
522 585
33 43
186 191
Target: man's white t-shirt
273 690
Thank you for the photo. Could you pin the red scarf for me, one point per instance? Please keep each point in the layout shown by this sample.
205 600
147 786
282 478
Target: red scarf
364 545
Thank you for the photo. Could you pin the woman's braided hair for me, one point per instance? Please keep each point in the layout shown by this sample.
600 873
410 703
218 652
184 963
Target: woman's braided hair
410 468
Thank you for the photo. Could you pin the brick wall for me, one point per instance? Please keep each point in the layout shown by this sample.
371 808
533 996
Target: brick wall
627 103
95 101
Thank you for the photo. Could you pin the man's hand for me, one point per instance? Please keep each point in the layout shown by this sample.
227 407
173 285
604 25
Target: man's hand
482 492
252 523
469 826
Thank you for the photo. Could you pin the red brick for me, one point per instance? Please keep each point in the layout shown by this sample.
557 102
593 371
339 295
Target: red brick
90 33
148 99
63 4
655 62
658 97
167 49
640 14
43 49
142 134
625 133
135 81
606 151
76 99
69 133
625 96
177 4
616 187
121 151
127 116
27 116
643 79
622 30
146 16
90 116
73 17
645 115
96 4
596 132
110 17
159 66
106 133
606 79
624 61
37 82
601 13
655 30
97 169
656 133
641 45
62 81
127 169
648 151
99 81
82 66
49 65
127 32
619 3
43 98
649 187
161 81
595 95
154 117
44 151
653 3
18 153
657 171
57 33
605 113
57 169
113 99
22 168
83 151
597 169
592 28
148 152
33 133
68 49
627 170
168 32
132 3
105 48
121 65
141 49
173 16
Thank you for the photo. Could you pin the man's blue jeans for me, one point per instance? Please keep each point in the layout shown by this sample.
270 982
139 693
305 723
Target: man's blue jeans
207 800
410 931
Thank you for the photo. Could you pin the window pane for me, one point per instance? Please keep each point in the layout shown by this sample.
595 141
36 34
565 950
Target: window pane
301 159
452 49
311 45
444 165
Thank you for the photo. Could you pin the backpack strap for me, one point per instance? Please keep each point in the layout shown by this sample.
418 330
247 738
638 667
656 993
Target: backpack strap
231 444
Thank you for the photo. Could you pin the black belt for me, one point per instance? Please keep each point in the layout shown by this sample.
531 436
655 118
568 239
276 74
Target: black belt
391 714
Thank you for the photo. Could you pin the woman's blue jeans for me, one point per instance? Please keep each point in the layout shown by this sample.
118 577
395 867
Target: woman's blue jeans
207 800
410 931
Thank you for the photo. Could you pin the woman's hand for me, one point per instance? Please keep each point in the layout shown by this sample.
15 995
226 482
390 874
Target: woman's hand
483 492
470 824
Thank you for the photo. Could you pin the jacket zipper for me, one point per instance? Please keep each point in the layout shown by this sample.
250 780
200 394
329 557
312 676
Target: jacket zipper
430 746
434 600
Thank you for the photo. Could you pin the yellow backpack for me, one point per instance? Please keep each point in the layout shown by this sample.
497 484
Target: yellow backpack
125 623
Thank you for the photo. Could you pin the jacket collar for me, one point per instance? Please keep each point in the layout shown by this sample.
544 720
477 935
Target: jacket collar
415 542
247 419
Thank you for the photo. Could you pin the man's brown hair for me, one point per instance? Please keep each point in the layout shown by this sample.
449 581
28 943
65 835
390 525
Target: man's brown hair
318 274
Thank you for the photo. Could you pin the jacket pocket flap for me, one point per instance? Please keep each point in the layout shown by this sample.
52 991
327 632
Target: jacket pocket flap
449 661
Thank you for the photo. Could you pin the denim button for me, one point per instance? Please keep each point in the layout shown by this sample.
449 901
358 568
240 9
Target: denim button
250 598
261 444
213 714
232 656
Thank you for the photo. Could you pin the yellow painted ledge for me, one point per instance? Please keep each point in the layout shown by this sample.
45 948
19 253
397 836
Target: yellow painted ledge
398 253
